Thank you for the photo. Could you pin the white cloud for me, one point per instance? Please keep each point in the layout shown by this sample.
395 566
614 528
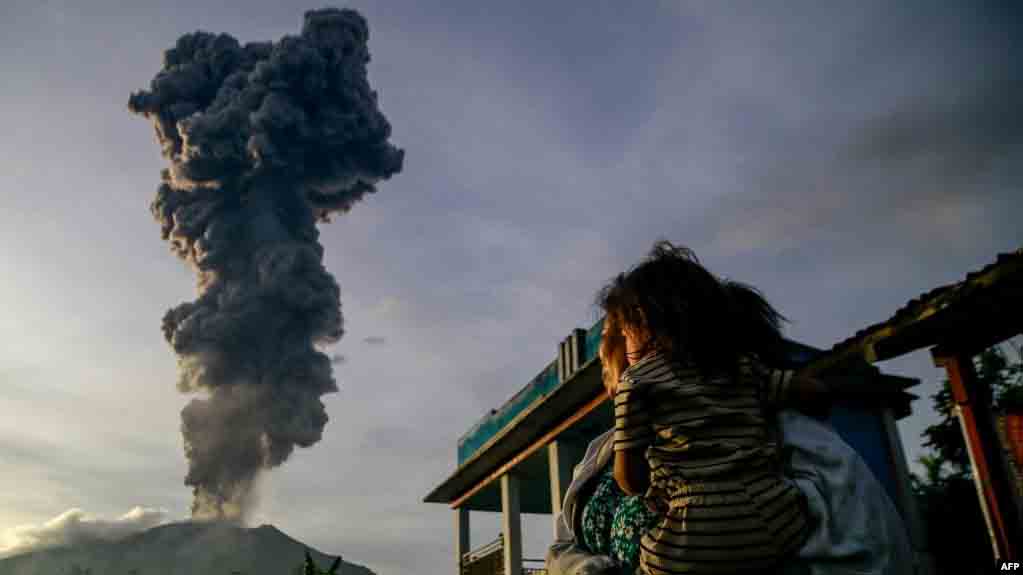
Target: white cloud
75 526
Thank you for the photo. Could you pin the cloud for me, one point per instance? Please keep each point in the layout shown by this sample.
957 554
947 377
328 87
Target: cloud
74 526
387 306
32 384
864 153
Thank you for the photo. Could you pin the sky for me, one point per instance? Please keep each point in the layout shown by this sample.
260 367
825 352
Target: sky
842 157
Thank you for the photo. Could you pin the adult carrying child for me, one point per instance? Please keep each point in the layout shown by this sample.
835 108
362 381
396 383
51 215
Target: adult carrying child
686 358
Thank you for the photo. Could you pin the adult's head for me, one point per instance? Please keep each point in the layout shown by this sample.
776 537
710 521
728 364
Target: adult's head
670 303
612 356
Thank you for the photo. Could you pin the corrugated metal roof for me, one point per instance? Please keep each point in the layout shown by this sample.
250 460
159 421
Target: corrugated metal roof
1007 267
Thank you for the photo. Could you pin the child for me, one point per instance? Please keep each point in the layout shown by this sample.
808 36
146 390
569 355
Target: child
693 432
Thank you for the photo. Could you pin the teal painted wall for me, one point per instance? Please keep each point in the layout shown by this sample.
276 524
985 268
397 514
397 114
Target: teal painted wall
545 382
489 425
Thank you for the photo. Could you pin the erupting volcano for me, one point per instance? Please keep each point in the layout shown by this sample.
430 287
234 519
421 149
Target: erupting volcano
264 140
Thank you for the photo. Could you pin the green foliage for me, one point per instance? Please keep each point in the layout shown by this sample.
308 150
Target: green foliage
957 534
1009 397
1003 378
310 568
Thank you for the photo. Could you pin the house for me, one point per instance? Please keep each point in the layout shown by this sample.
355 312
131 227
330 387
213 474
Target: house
519 458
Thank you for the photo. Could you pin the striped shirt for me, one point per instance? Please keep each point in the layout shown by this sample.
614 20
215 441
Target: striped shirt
713 465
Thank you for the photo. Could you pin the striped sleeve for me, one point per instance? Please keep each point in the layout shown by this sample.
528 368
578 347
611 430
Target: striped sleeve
633 427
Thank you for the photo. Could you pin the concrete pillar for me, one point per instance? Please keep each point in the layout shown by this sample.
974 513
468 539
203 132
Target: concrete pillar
461 536
573 350
570 352
579 337
906 498
511 524
562 361
561 457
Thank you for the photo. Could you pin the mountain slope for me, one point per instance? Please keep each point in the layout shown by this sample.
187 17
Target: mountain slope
179 549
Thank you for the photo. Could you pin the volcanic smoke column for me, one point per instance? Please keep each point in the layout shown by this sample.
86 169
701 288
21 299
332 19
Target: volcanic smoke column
264 140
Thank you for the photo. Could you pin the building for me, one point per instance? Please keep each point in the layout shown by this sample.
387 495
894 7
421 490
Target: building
519 457
956 322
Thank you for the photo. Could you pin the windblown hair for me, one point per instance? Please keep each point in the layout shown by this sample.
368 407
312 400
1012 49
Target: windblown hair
690 315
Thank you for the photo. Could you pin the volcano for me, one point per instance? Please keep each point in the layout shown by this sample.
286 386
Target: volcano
187 548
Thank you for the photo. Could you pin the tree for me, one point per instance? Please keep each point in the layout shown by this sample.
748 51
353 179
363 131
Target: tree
995 372
310 568
957 534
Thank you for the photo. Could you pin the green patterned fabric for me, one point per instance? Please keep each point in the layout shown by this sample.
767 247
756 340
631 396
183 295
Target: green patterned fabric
613 522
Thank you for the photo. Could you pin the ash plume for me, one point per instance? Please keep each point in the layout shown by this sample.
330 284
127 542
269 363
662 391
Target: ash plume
264 140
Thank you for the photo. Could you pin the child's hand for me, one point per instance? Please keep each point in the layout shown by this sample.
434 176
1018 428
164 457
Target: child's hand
656 506
811 395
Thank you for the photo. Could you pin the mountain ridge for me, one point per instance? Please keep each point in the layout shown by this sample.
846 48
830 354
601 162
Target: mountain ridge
183 548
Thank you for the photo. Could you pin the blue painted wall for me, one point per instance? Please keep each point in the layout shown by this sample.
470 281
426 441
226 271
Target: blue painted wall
863 429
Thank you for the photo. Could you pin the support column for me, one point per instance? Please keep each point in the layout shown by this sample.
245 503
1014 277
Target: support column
570 353
989 473
561 458
511 524
906 498
461 536
576 342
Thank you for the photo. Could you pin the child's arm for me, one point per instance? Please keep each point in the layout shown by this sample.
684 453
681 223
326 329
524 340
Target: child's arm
633 433
789 388
632 472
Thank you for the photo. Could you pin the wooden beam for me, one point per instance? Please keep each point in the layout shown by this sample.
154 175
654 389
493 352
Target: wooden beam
989 474
536 445
969 327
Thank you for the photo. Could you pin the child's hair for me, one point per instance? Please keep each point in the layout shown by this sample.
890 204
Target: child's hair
761 323
689 314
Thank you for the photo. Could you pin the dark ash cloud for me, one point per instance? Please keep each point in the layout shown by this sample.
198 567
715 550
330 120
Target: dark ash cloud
264 140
